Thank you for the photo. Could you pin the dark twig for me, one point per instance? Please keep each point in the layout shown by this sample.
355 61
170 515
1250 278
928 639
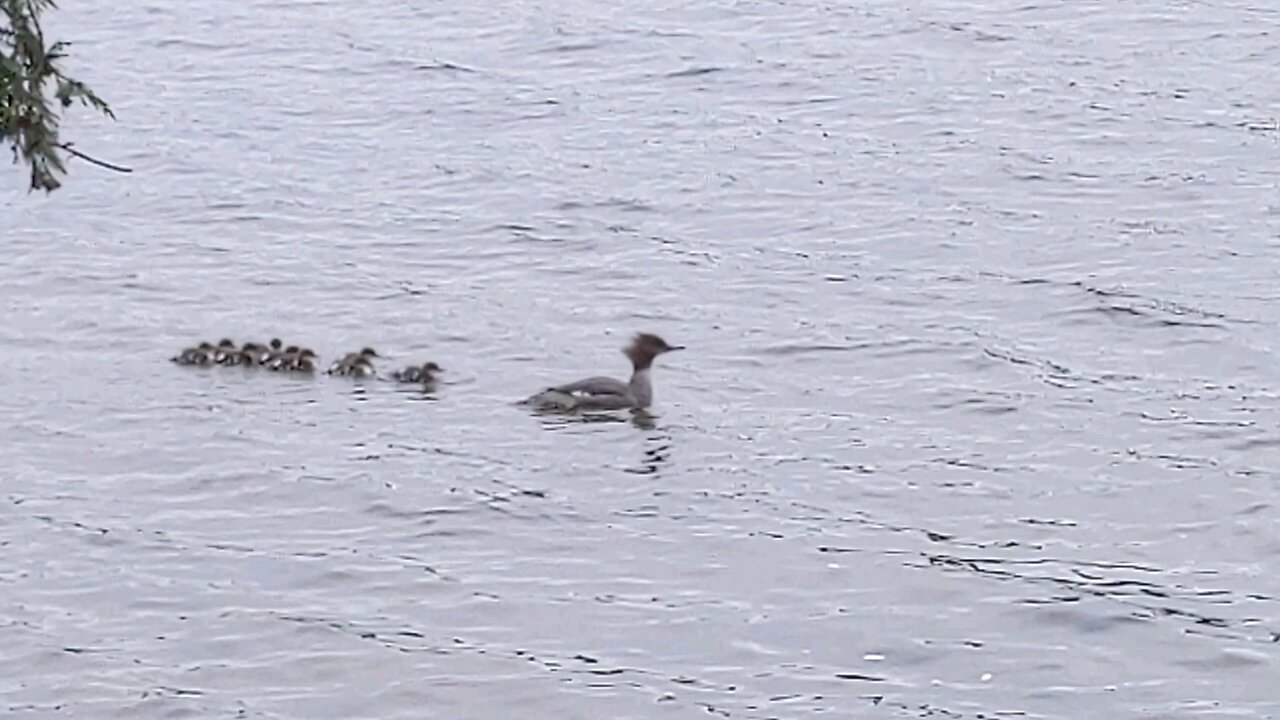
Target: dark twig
95 161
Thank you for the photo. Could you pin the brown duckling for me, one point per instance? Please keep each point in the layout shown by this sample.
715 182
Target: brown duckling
268 352
283 360
355 364
304 361
224 350
249 354
425 374
362 367
201 354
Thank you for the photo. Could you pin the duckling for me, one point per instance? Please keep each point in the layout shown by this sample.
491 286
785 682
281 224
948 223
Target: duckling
429 372
258 354
426 374
304 361
283 360
342 366
248 354
198 355
234 356
225 347
362 368
349 362
187 356
411 374
268 352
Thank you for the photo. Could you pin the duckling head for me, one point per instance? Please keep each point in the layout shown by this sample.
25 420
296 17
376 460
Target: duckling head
429 372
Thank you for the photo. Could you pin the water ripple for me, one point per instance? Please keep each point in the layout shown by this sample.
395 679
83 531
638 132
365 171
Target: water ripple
977 416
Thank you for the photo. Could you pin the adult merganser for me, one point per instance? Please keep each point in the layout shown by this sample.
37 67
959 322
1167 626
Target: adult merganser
604 393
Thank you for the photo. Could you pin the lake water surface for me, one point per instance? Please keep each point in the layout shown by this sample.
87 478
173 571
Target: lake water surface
980 415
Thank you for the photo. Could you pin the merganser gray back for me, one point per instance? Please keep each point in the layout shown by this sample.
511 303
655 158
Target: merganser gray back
604 393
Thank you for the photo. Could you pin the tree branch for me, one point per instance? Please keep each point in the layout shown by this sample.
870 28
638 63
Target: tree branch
95 161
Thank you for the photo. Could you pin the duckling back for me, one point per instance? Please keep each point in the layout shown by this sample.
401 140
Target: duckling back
411 374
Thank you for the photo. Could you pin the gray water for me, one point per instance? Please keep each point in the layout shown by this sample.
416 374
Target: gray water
980 415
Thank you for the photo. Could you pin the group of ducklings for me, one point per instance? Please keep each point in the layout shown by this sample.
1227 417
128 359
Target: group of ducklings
275 356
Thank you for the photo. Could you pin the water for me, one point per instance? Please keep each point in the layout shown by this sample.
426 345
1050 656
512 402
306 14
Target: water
980 416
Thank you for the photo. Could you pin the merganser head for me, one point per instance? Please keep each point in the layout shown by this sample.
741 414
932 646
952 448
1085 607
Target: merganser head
645 347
